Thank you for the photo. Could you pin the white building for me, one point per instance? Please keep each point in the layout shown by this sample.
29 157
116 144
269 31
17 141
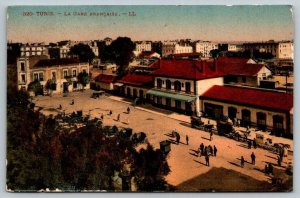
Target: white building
286 50
142 46
35 49
63 72
235 48
204 47
170 47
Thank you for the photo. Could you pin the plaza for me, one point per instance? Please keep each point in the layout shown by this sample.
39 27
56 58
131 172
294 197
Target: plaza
158 124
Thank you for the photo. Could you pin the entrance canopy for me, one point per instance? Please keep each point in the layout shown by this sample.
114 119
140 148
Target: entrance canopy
176 96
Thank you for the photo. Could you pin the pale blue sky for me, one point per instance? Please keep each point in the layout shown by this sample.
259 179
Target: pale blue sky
215 23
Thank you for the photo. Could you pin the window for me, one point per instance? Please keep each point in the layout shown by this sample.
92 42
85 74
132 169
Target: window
261 120
168 84
23 78
41 76
159 83
22 67
74 73
188 87
54 75
35 76
65 73
177 86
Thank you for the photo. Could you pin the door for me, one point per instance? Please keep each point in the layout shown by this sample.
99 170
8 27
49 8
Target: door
232 112
246 118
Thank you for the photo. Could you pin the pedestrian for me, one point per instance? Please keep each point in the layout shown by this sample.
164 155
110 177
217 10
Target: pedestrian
242 162
210 150
207 160
234 121
110 112
201 148
128 110
266 169
270 169
187 139
238 122
72 102
211 134
278 160
249 144
253 158
178 138
102 117
215 150
205 150
60 107
118 117
254 143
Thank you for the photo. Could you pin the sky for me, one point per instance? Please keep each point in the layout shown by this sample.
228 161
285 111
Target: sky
211 23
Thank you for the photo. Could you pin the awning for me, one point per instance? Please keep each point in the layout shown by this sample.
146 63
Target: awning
176 96
118 84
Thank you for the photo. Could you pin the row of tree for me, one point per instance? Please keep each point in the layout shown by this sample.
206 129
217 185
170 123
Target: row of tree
43 155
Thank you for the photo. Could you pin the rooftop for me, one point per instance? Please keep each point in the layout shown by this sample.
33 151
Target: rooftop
56 62
137 80
105 78
249 96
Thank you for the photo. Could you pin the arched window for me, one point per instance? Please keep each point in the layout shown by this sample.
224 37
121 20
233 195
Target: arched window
177 86
246 118
188 87
168 84
159 83
261 120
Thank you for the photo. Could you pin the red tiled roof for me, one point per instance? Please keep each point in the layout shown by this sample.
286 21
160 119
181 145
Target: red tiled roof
137 79
240 69
249 96
146 53
238 66
105 78
185 69
186 54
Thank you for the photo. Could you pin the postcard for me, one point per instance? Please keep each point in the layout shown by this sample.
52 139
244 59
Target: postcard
150 98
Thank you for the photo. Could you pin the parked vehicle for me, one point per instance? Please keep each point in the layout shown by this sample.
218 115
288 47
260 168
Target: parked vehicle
196 122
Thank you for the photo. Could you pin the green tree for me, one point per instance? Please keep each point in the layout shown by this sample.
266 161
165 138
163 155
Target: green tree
51 85
122 54
84 52
36 87
84 79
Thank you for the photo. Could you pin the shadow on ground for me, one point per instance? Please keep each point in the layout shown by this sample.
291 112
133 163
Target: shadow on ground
224 180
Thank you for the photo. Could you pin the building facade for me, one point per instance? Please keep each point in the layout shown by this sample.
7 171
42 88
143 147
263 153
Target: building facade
62 72
169 48
142 46
286 50
35 49
204 47
253 107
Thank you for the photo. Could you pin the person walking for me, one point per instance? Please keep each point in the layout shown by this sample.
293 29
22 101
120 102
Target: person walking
187 139
128 110
102 117
207 160
254 144
201 148
110 112
215 151
242 161
211 134
253 158
278 160
118 117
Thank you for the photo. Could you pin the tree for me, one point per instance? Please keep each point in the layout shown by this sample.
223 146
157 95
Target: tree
84 52
214 53
51 85
122 54
83 78
36 87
